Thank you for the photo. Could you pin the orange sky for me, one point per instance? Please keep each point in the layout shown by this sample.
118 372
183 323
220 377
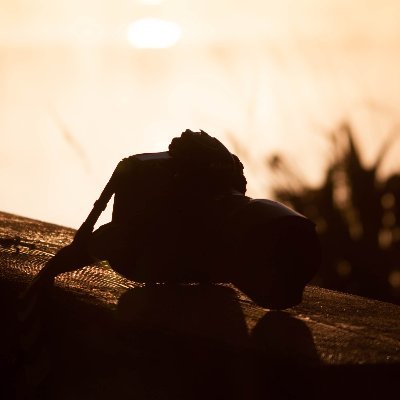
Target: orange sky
38 21
76 97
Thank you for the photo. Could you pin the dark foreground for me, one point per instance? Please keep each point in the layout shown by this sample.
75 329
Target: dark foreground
96 335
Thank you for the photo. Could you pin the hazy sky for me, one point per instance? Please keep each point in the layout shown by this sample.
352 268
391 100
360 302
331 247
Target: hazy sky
76 97
30 21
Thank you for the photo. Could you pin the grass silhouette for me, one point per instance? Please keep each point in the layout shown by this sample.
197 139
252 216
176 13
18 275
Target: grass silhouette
357 218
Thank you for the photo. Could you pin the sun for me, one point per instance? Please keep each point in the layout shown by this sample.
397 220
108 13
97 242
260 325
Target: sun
153 33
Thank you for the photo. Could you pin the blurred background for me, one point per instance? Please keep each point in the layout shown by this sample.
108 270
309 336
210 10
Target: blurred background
307 92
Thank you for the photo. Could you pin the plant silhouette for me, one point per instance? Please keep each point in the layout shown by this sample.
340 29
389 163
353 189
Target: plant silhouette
357 218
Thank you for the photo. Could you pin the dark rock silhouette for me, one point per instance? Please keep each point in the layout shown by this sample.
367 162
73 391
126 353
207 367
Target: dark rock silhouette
182 216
